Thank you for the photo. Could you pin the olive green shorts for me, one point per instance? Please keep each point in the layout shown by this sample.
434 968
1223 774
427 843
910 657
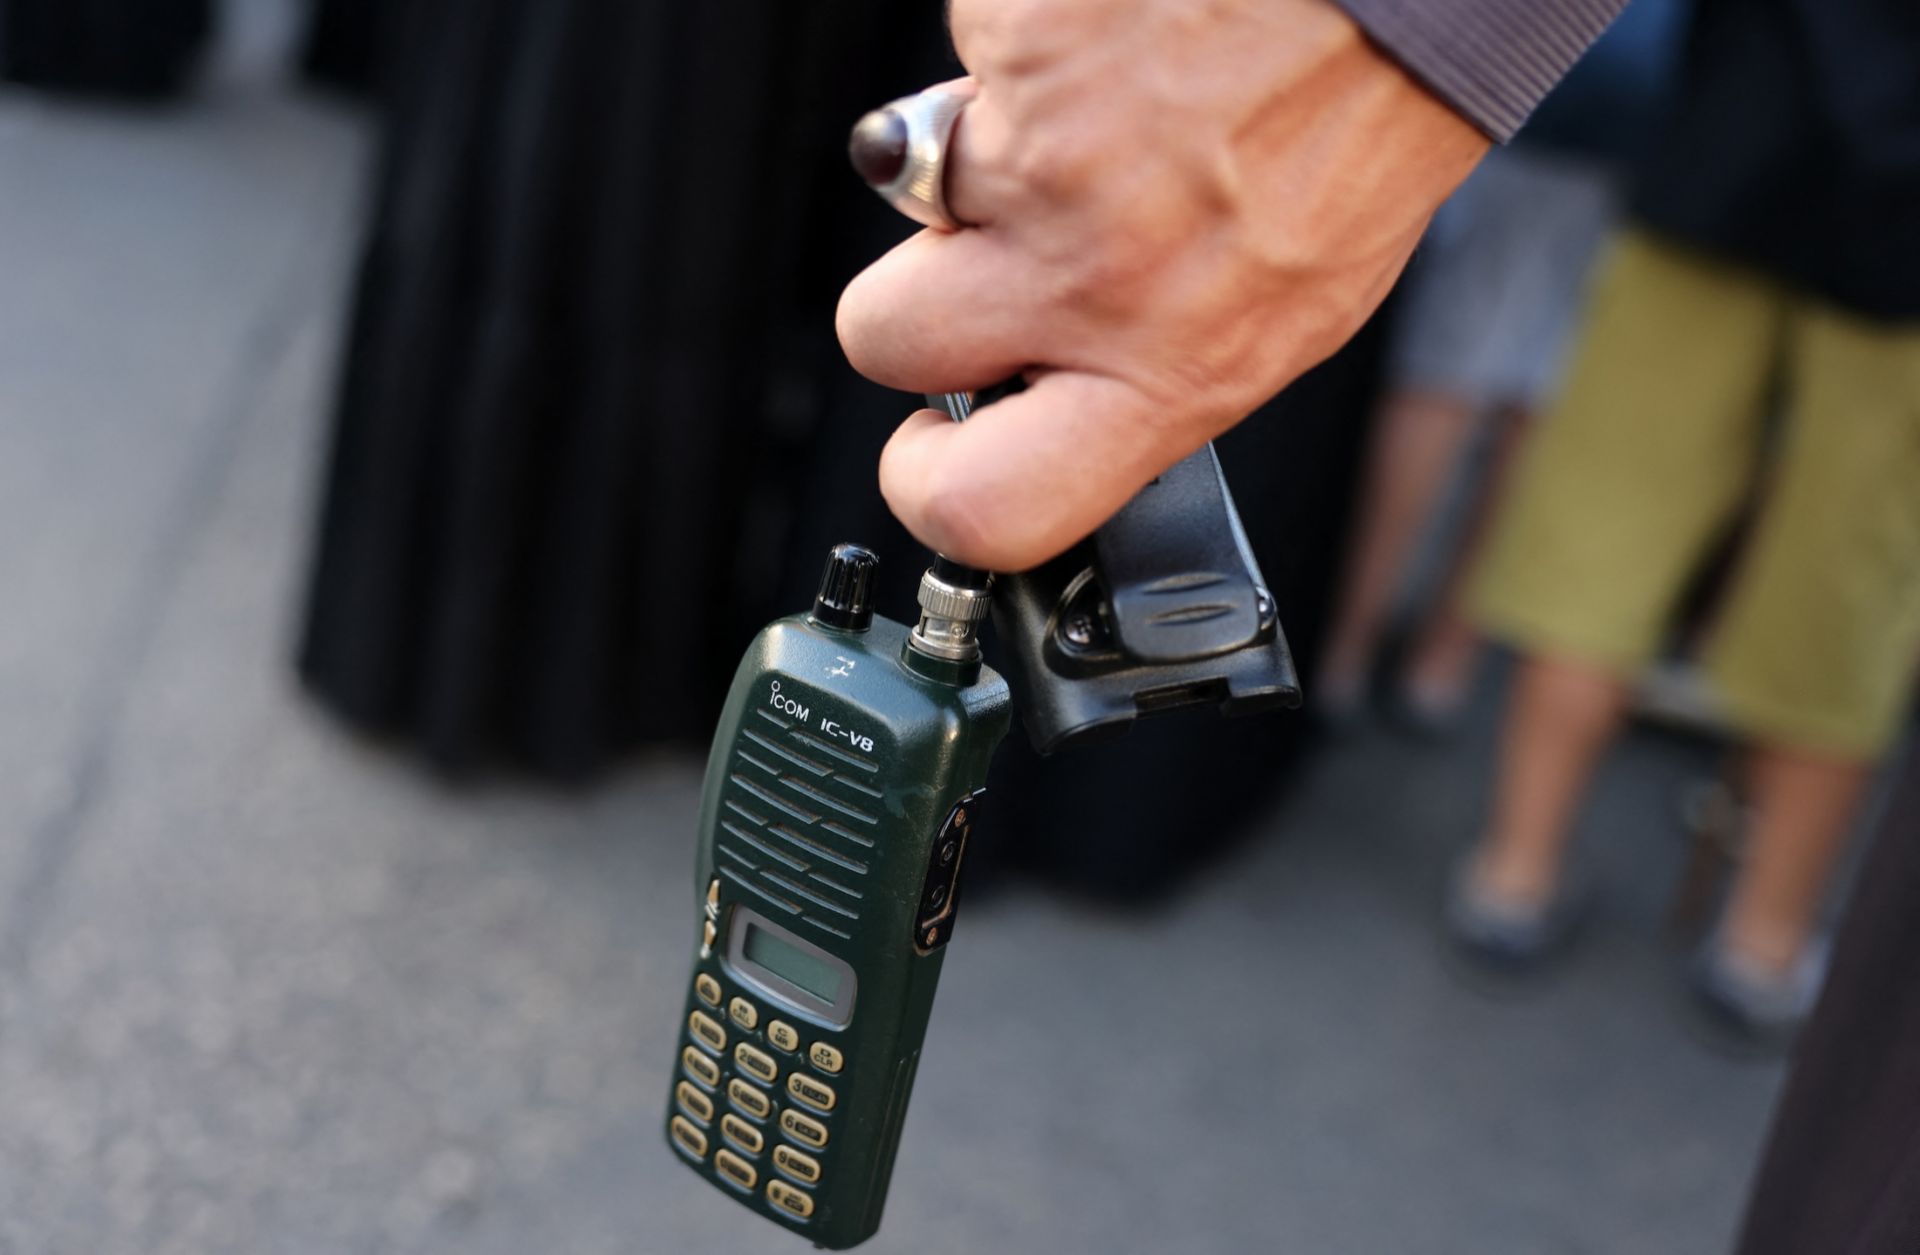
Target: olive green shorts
1662 434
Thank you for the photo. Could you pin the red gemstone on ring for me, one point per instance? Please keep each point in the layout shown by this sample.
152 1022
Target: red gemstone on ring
878 147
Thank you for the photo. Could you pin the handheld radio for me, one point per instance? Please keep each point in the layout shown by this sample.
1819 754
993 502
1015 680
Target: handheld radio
841 789
840 793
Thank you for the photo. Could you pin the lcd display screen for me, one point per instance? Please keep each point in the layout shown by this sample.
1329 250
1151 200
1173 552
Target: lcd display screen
815 973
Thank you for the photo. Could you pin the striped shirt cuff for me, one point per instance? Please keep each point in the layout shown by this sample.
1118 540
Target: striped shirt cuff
1492 60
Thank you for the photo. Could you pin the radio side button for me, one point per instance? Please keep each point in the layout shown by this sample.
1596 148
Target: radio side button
796 1165
825 1057
783 1035
803 1129
795 1202
700 1067
693 1102
756 1063
750 1100
742 1134
688 1138
735 1169
816 1094
707 1031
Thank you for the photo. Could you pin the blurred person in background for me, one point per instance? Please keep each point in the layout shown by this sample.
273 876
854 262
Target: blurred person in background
1773 267
138 49
1487 308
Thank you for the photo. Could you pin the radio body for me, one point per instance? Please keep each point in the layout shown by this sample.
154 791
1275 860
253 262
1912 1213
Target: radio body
839 796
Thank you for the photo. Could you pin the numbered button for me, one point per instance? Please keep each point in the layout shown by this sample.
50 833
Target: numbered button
793 1201
783 1036
736 1169
688 1138
693 1102
707 988
803 1129
749 1099
816 1094
801 1167
826 1058
707 1031
742 1134
743 1013
756 1063
700 1067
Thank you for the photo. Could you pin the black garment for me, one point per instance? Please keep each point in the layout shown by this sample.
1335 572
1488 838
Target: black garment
122 47
592 346
346 41
1609 107
1841 1174
1795 147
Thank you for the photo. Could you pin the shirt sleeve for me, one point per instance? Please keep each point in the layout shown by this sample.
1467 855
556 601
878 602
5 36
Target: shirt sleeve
1492 60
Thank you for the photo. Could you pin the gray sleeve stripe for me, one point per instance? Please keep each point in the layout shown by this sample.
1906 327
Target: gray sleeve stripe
1492 60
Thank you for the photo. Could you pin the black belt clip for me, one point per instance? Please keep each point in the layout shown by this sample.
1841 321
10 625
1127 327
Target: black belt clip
1163 607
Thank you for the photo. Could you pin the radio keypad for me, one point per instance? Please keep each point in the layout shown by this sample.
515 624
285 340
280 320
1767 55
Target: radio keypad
742 1134
756 1063
700 1067
801 1167
707 1031
794 1202
689 1138
803 1129
736 1169
749 1098
816 1094
693 1102
801 1124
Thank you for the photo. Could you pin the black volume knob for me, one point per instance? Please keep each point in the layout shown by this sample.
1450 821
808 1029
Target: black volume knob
846 589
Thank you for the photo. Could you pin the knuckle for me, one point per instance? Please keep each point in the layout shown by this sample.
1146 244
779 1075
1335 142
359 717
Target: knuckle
1049 164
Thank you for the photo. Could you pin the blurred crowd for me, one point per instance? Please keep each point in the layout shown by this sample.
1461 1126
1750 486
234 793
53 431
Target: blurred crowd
1652 422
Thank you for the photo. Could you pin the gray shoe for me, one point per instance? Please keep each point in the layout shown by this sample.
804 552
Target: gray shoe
1507 937
1749 1008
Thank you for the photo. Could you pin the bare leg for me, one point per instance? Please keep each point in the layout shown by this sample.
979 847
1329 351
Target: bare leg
1440 673
1804 809
1414 449
1560 718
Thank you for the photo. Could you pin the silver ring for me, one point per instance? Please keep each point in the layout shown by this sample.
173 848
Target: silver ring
901 151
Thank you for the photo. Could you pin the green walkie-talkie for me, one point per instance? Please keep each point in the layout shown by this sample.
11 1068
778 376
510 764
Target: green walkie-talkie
839 796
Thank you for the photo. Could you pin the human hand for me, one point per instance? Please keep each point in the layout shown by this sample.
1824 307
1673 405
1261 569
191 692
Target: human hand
1175 207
